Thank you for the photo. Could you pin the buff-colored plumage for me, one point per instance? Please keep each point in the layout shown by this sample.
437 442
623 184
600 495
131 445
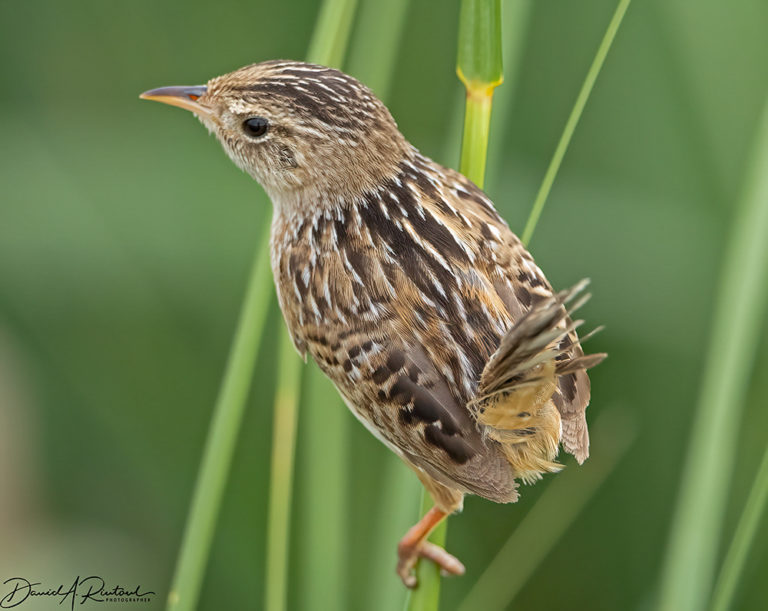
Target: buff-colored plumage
399 278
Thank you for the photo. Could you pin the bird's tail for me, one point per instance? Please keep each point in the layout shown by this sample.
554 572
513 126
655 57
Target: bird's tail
513 404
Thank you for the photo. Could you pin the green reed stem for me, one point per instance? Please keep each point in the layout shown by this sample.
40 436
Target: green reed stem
514 23
479 68
376 42
738 317
331 35
281 474
327 47
328 44
324 474
395 515
549 518
474 143
573 120
222 436
736 558
372 57
426 596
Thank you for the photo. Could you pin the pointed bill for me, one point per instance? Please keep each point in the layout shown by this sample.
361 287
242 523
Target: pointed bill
183 96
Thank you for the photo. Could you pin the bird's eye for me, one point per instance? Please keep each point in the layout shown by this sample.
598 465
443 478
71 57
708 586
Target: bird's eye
255 127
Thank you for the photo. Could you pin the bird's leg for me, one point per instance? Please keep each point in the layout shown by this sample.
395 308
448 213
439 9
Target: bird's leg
414 545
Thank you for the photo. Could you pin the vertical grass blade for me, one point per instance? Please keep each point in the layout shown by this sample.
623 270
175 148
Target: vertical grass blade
375 43
281 474
739 314
514 24
549 518
325 421
477 120
396 514
573 120
426 596
331 35
479 47
325 485
222 436
327 46
372 58
736 558
479 68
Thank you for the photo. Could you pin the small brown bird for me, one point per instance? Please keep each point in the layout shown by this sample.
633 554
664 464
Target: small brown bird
400 279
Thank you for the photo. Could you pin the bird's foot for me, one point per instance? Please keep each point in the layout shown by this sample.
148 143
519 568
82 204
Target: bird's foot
409 554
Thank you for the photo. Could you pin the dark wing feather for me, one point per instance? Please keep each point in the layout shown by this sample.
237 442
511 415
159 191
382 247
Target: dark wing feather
520 284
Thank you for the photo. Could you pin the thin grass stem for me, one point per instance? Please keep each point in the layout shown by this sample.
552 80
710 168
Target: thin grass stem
325 423
474 143
331 34
327 46
515 17
281 474
372 58
376 42
426 596
479 67
222 436
736 558
573 120
739 314
396 513
325 484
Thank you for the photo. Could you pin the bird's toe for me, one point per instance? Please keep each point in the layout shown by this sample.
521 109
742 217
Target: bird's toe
409 555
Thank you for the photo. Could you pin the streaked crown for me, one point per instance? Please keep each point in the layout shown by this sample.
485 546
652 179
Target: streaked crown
307 133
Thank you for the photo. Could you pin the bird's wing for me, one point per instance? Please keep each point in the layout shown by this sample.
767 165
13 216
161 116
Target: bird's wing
455 279
385 298
520 284
414 332
402 299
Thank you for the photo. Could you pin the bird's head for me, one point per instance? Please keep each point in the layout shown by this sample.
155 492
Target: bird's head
306 132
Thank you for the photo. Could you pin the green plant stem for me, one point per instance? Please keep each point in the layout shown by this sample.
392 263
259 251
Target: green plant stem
372 57
375 43
736 558
739 313
474 143
327 47
514 22
549 518
222 436
281 474
479 58
395 515
479 68
331 35
325 488
426 596
573 120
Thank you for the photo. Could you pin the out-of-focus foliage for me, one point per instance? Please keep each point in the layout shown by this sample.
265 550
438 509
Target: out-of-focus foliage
126 237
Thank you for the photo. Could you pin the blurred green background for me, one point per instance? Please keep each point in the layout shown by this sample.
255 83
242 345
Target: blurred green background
126 236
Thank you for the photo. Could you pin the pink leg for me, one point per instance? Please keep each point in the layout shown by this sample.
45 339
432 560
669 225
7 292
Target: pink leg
414 546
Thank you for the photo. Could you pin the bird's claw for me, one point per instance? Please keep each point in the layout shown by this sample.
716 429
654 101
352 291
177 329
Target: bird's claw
408 556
